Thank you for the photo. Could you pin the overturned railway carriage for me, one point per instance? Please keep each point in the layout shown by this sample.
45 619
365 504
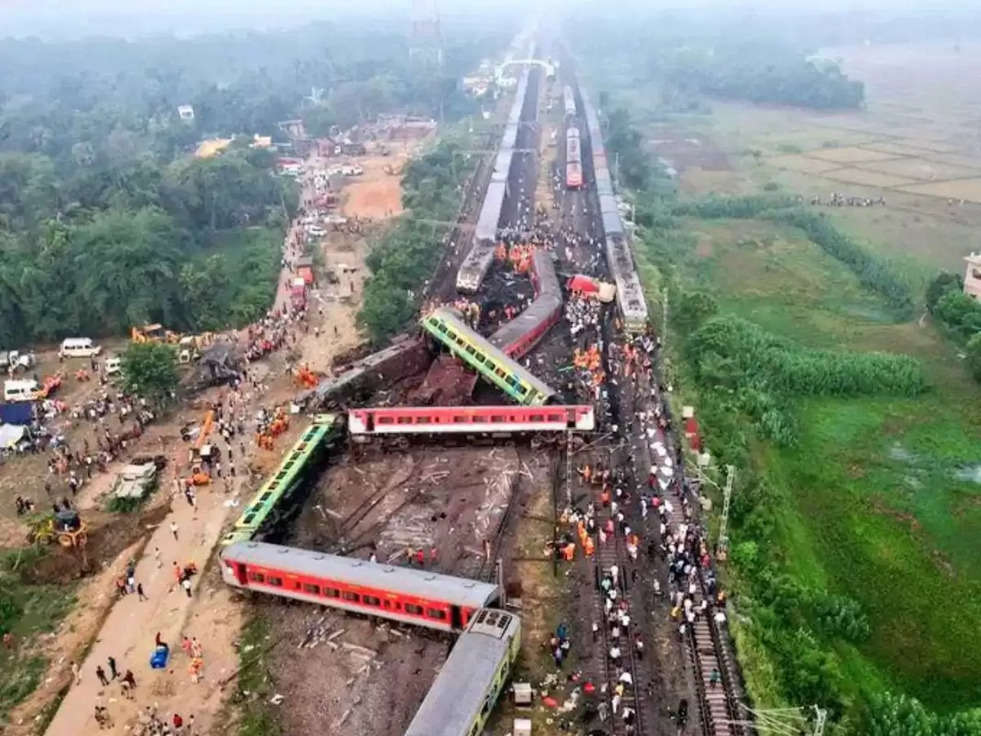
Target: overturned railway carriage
302 460
468 685
423 598
446 326
469 419
518 336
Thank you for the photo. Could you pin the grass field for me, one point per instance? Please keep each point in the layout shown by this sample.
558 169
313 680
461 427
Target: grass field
27 611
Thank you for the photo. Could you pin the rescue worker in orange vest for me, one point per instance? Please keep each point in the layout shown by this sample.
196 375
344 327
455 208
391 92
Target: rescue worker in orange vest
588 546
569 552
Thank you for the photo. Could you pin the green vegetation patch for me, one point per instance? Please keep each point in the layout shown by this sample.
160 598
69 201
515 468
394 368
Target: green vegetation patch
233 281
26 610
255 684
858 506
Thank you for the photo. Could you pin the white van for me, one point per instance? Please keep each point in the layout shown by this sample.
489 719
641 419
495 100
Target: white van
113 365
22 390
78 347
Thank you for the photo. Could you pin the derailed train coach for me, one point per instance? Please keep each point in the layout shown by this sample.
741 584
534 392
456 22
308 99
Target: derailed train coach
469 683
404 594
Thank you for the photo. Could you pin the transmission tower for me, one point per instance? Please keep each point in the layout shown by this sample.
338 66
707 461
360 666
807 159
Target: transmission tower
722 550
425 39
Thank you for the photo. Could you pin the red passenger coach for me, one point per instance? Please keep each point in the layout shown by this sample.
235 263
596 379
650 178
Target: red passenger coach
419 597
472 419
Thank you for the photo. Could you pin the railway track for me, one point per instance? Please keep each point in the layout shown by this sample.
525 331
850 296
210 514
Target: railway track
706 641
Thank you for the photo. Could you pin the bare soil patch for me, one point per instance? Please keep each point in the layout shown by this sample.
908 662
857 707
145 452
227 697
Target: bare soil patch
805 164
922 169
966 189
683 150
375 194
850 154
867 178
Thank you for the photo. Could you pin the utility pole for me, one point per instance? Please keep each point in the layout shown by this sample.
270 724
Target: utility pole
722 548
664 316
820 716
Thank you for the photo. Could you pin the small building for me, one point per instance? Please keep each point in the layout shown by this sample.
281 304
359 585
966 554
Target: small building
972 276
185 112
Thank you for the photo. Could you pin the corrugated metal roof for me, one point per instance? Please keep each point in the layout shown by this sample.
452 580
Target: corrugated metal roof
457 695
404 580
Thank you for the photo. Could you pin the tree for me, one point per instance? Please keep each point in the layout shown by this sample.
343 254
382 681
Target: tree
943 282
695 308
974 356
150 369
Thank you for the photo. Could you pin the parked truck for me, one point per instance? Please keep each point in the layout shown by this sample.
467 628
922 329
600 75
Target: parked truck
298 292
16 360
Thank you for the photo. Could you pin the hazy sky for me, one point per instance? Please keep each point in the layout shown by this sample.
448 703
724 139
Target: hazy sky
73 18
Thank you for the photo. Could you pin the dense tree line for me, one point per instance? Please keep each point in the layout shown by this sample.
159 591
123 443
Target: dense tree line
768 73
686 55
728 351
959 314
102 102
406 256
106 221
133 245
625 153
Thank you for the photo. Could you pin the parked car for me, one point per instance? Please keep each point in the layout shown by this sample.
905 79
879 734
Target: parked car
78 347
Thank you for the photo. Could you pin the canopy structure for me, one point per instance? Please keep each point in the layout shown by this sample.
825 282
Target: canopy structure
10 435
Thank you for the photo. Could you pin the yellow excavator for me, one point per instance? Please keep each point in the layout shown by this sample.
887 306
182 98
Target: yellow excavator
65 527
153 333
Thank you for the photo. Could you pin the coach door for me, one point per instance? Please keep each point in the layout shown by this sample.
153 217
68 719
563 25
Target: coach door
456 618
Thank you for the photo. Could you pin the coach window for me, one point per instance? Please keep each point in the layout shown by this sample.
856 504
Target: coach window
384 420
257 577
510 381
435 613
405 420
413 609
537 418
332 592
459 419
275 581
490 364
349 596
452 334
311 588
498 419
470 349
422 420
371 600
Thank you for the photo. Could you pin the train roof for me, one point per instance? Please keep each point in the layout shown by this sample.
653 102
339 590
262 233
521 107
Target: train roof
355 571
490 212
457 695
